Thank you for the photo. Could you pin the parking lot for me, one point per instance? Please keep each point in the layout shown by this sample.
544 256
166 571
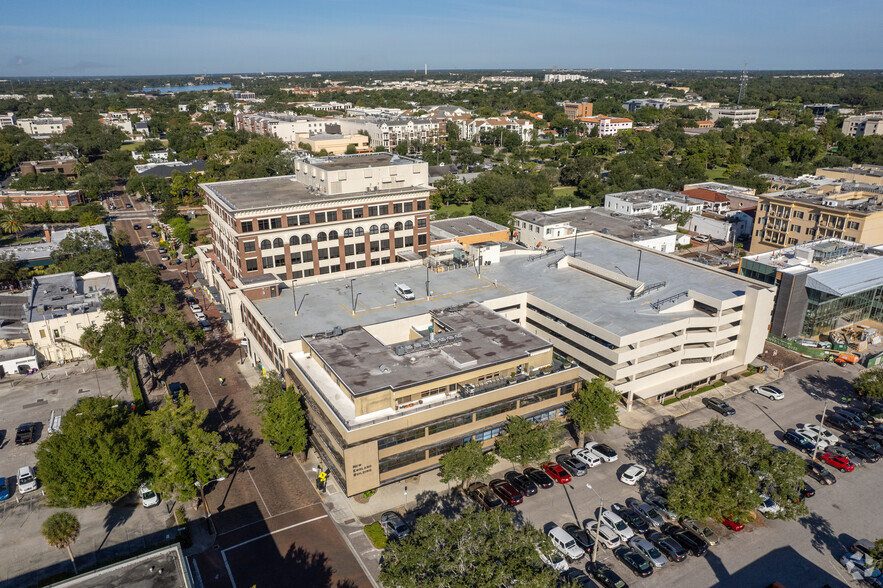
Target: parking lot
798 553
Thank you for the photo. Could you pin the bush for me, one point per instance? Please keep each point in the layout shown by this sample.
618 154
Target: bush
369 493
717 384
376 535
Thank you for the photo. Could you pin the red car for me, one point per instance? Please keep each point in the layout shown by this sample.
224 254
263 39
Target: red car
506 492
837 461
556 472
732 525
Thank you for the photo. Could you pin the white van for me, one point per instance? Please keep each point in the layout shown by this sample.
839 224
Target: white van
564 543
404 291
27 480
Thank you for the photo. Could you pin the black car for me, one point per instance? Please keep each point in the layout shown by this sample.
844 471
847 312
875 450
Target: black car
634 561
690 541
154 234
669 547
574 467
521 483
868 441
539 477
719 405
176 389
26 434
817 472
795 439
578 578
841 423
605 576
856 414
806 490
861 451
136 227
581 536
632 519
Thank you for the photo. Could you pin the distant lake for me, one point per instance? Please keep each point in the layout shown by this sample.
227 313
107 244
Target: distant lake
178 89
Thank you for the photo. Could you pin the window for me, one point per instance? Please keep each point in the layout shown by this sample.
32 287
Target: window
304 219
384 228
320 217
321 237
372 211
297 275
409 241
264 224
307 256
277 242
267 261
421 239
332 235
308 273
421 223
251 265
384 209
305 239
852 225
397 208
347 213
409 206
347 233
409 225
265 244
247 227
375 245
331 215
399 242
450 423
295 258
322 254
294 240
249 246
360 232
334 252
384 245
279 260
358 212
398 226
360 248
276 223
373 230
350 266
292 221
349 249
421 205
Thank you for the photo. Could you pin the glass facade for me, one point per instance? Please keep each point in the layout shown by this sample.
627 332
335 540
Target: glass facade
827 312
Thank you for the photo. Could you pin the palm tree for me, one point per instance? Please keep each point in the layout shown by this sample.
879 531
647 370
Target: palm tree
60 530
10 224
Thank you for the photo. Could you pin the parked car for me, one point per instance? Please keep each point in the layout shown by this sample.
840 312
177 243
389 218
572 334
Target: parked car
843 452
581 536
27 479
153 234
521 483
770 392
795 439
587 457
634 561
606 535
649 551
718 405
539 477
162 250
863 452
701 238
817 472
554 560
26 434
837 461
606 577
506 492
205 325
662 506
176 390
565 544
4 489
841 423
161 266
615 522
574 467
855 414
702 530
634 473
148 497
602 450
404 291
200 316
868 441
634 520
578 578
668 546
394 525
734 526
149 226
650 514
692 542
812 431
556 472
194 308
806 491
136 227
482 494
768 507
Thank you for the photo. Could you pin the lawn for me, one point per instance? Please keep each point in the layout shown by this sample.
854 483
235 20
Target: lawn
200 222
454 211
137 145
564 190
718 173
7 240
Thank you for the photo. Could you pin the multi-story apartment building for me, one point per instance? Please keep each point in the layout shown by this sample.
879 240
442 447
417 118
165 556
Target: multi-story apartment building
859 126
55 199
797 216
859 173
333 214
557 77
390 132
606 125
575 110
287 126
739 116
506 79
650 202
471 128
41 127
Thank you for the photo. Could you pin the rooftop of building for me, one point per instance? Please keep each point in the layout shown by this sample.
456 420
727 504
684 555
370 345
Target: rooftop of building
360 161
162 568
165 169
722 188
471 336
66 294
854 199
600 220
12 316
466 226
649 195
28 252
329 301
20 193
874 171
706 195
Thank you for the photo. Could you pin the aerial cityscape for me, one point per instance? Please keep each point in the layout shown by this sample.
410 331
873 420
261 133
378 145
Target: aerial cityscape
463 295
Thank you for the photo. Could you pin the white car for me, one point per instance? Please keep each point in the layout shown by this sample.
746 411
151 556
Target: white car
404 291
554 560
634 473
148 497
195 308
769 508
770 392
649 551
602 450
615 522
815 431
565 544
587 457
27 480
606 535
200 316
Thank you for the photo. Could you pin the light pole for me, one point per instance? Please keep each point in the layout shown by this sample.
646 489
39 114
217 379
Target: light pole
597 524
353 294
208 512
815 449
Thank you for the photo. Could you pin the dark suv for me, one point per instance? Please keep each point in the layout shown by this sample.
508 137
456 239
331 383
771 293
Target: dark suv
718 405
506 492
26 434
818 473
797 440
176 390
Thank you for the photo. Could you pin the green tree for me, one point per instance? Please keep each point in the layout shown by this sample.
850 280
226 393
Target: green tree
672 212
84 252
151 187
98 456
870 383
185 452
181 230
283 420
9 223
718 470
9 267
351 149
60 530
479 548
169 211
89 219
466 463
877 552
525 443
594 408
93 184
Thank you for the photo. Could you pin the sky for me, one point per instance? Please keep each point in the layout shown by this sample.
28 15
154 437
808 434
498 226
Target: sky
104 38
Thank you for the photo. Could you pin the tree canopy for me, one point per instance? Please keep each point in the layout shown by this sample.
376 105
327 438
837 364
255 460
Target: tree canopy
283 420
594 408
84 252
525 443
60 530
870 383
466 463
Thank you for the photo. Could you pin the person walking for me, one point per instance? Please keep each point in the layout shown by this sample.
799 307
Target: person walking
222 381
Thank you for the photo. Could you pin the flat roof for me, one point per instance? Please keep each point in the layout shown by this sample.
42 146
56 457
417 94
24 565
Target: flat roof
162 568
601 220
466 226
359 161
65 294
474 337
860 201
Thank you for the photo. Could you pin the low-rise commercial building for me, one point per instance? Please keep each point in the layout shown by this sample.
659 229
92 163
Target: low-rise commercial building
54 199
41 127
739 116
859 173
650 202
336 144
65 166
606 125
466 230
864 125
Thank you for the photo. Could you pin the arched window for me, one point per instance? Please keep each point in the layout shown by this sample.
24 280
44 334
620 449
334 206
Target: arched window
409 225
321 237
373 229
294 240
277 242
332 235
359 231
347 232
305 239
265 244
384 228
398 226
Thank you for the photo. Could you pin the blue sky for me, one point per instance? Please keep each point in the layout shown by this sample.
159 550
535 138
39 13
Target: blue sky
99 37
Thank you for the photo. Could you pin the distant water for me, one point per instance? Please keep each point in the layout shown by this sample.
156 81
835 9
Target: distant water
178 89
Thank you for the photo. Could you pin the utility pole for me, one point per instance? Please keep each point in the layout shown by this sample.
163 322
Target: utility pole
597 524
815 449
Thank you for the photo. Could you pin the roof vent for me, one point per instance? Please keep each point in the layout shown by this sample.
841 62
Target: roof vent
384 369
400 350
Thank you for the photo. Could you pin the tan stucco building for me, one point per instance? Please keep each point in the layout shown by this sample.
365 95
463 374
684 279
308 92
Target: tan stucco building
336 144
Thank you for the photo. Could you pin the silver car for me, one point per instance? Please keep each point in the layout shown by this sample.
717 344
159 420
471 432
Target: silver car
607 536
394 526
649 551
700 529
647 512
662 506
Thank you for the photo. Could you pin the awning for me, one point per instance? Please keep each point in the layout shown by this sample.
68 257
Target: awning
199 276
221 308
214 292
226 317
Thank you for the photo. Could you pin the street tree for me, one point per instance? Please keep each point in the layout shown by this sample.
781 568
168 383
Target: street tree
283 420
526 443
479 548
9 223
98 456
9 266
89 219
84 252
466 463
181 230
594 408
870 383
60 530
185 453
718 469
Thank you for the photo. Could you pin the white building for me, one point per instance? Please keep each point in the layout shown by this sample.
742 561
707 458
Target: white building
649 202
287 126
607 126
864 125
728 226
507 79
470 129
554 78
739 116
41 127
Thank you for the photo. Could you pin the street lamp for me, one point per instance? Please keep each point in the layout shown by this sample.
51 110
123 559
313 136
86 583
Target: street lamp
208 512
597 524
815 449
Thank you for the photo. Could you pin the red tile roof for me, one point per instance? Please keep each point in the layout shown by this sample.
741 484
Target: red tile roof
707 195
